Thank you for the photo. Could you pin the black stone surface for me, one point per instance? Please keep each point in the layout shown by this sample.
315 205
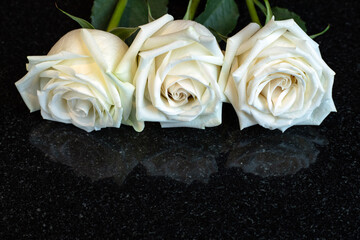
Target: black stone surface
58 182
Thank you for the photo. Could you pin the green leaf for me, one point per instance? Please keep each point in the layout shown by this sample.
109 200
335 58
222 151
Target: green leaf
220 15
101 13
158 7
123 32
283 14
136 12
191 9
320 33
82 22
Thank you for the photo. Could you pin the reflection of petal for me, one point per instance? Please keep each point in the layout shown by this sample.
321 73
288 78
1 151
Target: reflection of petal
88 155
274 154
182 164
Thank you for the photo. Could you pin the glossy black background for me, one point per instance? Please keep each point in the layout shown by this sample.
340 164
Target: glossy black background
53 193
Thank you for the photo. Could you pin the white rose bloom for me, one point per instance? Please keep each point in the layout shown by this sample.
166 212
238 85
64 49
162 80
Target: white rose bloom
178 69
276 77
75 83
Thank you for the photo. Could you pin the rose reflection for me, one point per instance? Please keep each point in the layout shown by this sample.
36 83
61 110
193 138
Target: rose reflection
85 154
184 164
275 154
186 156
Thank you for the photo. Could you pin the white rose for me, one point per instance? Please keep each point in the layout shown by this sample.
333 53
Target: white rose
276 77
75 83
176 79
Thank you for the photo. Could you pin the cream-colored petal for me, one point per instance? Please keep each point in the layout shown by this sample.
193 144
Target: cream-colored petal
126 69
232 44
30 84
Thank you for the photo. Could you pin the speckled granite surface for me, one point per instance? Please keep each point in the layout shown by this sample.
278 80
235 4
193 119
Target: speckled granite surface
58 182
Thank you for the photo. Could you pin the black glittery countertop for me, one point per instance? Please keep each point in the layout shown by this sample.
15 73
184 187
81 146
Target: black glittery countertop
59 182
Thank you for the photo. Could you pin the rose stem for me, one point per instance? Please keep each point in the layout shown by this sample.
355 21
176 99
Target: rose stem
116 17
269 13
191 9
253 14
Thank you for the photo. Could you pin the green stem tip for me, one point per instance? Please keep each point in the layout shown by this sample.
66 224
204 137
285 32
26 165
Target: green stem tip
116 17
252 10
191 9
